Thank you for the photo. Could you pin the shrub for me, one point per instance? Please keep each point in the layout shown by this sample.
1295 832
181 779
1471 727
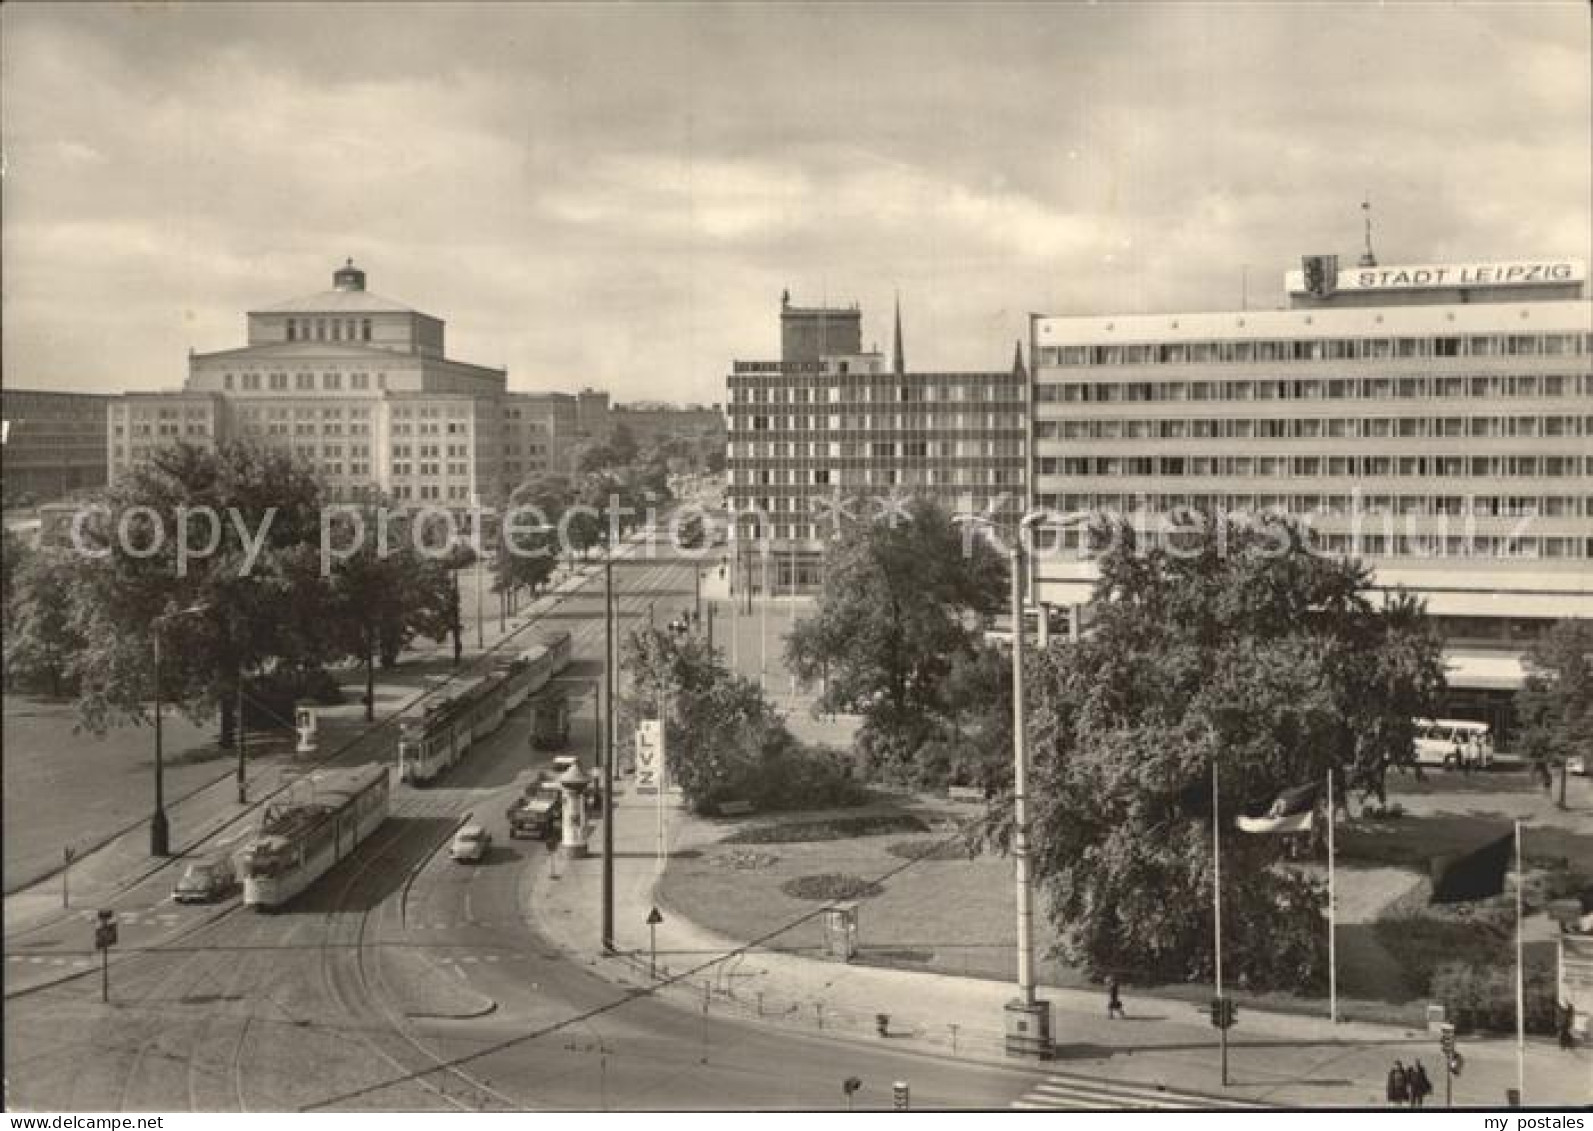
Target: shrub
1480 996
836 828
831 885
1422 943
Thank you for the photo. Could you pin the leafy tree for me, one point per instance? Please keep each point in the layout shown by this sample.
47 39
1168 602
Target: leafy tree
380 601
14 556
594 458
41 634
622 444
975 748
1555 704
254 614
1230 645
904 599
725 741
526 557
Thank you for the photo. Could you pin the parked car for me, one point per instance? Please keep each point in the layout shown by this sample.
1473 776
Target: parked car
1577 764
205 881
471 844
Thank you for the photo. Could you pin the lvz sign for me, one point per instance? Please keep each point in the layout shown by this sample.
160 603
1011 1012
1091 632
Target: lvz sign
649 757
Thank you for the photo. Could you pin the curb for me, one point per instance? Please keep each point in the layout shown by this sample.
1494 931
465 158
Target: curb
469 1015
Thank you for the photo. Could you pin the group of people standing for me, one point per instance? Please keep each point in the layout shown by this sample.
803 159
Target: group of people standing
1408 1087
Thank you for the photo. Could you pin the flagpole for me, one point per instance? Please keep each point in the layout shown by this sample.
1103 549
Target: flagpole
1333 963
1216 903
1521 1026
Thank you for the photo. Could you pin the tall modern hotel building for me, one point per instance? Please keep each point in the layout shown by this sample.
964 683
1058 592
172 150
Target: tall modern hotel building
1435 421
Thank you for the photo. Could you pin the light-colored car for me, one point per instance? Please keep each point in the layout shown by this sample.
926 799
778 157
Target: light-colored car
205 881
471 844
1577 764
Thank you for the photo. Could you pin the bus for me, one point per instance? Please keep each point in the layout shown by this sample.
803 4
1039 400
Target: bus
1454 743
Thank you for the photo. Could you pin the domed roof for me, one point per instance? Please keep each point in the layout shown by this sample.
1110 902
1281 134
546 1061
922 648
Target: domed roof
348 296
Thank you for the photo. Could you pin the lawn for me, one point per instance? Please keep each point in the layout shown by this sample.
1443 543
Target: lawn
935 908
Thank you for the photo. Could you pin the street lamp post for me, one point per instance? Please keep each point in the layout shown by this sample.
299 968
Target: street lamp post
243 762
159 826
1028 1018
608 749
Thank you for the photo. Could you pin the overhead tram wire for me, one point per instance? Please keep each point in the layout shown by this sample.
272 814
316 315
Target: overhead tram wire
635 994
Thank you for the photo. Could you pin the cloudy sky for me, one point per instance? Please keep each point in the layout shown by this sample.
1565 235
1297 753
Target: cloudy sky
616 195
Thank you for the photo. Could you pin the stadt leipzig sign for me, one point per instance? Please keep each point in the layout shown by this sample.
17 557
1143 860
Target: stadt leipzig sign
1511 273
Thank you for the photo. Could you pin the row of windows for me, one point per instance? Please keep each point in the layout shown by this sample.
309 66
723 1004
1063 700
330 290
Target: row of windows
1357 503
431 469
334 470
825 503
432 451
1322 349
878 449
1007 389
1552 467
1314 428
430 428
853 476
191 412
1380 545
1317 388
302 382
299 412
457 492
164 428
329 329
862 422
431 412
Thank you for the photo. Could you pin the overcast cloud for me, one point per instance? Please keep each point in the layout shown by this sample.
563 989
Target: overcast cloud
616 196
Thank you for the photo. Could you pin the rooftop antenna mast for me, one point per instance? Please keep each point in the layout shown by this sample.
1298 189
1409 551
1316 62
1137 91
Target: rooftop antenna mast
1367 258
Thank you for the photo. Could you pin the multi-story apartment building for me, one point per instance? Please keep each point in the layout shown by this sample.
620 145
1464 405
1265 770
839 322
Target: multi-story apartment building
361 388
1434 421
814 431
54 443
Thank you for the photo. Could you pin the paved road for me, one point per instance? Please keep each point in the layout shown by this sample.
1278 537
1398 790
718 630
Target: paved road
361 994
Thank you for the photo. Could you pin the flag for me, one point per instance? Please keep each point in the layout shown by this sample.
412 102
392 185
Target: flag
1476 875
1290 813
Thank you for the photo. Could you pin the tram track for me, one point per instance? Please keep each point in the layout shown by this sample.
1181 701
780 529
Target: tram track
242 960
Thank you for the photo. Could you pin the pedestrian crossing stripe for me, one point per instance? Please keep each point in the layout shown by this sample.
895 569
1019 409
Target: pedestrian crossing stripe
1080 1094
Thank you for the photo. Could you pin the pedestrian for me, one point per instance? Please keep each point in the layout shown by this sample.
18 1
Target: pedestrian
1567 1024
1114 1001
1396 1085
1420 1086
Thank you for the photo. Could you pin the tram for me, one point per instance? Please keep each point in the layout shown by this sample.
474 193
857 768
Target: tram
434 737
301 838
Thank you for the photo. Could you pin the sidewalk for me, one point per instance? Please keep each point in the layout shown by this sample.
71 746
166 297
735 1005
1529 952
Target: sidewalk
1275 1058
122 860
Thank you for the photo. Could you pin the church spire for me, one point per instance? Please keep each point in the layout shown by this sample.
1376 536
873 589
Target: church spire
1017 359
898 362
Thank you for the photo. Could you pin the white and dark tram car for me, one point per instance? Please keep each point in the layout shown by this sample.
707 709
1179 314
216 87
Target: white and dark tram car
325 817
434 737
